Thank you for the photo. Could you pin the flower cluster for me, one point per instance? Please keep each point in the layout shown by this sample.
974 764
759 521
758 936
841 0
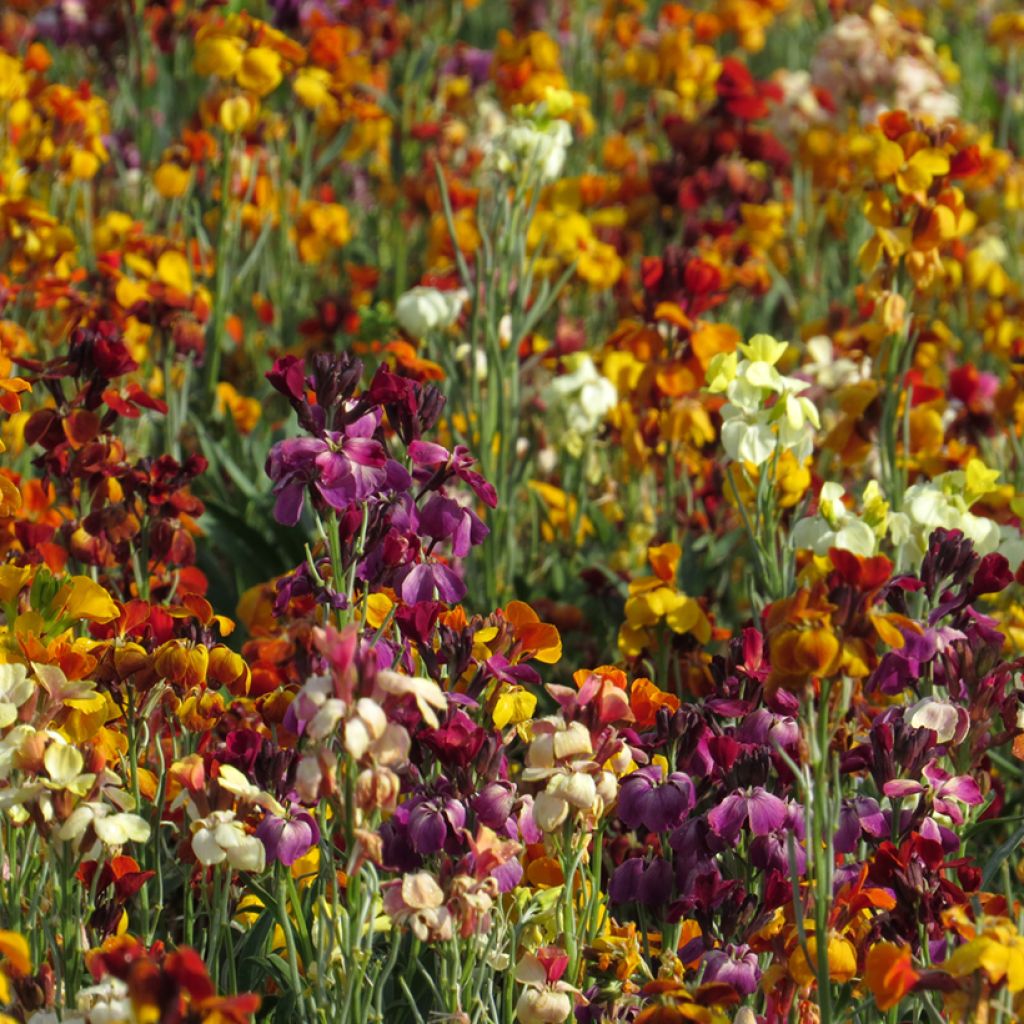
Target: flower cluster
430 587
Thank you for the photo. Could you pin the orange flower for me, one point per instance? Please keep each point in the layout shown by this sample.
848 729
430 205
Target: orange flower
645 700
537 640
889 973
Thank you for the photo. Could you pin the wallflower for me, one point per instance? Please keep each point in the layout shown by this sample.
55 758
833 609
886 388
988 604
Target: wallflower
112 829
422 310
582 397
321 228
533 151
834 526
889 973
945 503
656 799
417 901
286 839
752 429
762 811
947 791
734 965
842 959
341 468
15 690
259 70
997 951
220 837
545 997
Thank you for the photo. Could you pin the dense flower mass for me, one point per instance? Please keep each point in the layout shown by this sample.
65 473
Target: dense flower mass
511 512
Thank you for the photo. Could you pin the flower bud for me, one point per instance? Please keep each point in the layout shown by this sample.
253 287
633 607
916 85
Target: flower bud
543 1006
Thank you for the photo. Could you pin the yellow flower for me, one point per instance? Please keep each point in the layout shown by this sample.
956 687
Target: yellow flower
321 227
84 165
763 348
171 180
921 169
514 706
980 480
722 372
312 86
999 952
218 55
244 410
172 269
599 265
12 579
260 70
378 607
14 950
83 598
235 113
842 960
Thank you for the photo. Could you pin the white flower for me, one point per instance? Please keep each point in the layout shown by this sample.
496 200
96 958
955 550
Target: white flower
531 150
231 779
752 430
829 372
427 694
941 716
542 1001
64 764
583 396
463 354
220 837
543 1006
422 310
366 725
113 830
15 689
106 1003
747 441
834 526
941 503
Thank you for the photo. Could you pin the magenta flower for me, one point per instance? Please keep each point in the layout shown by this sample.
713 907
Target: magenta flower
735 966
340 468
288 839
457 742
947 791
445 464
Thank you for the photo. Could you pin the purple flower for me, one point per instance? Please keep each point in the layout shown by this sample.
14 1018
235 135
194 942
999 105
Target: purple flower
765 729
444 518
858 816
735 966
288 839
430 580
902 668
771 851
695 846
644 799
431 822
757 807
493 804
639 881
